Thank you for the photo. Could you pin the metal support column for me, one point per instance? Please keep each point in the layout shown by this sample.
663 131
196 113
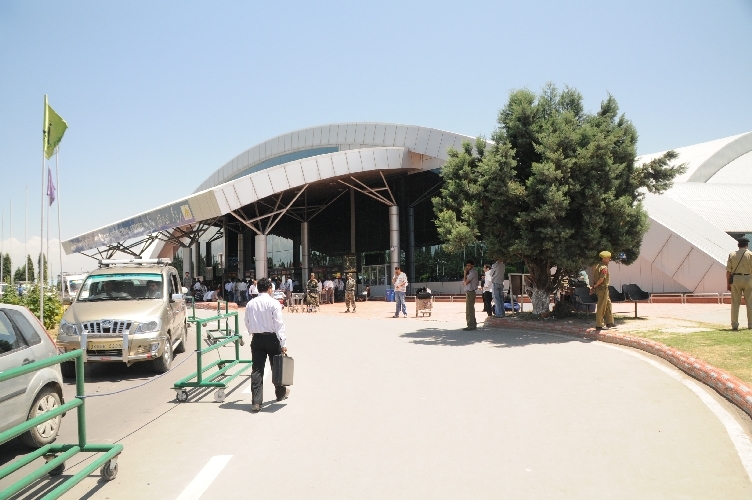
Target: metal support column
196 259
410 253
352 220
241 263
186 255
260 257
305 252
208 257
394 238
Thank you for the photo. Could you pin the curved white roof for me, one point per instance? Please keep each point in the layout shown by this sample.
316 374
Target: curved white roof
286 162
324 139
723 205
707 159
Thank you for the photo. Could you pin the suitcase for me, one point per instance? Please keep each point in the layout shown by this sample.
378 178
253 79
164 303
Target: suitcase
283 369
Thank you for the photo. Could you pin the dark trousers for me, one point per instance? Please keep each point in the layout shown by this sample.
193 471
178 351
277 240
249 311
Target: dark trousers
261 347
487 307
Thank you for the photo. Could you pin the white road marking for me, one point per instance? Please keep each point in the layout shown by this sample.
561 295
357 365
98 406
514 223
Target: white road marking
247 390
741 441
204 478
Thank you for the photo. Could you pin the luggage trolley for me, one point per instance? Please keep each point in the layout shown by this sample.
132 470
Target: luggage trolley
423 302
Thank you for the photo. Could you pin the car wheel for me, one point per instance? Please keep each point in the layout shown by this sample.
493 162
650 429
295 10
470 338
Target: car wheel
46 432
181 346
68 369
162 364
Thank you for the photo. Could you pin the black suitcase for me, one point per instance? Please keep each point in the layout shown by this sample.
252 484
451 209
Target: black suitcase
283 370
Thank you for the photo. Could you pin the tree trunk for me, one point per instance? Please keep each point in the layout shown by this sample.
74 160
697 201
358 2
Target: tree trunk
539 298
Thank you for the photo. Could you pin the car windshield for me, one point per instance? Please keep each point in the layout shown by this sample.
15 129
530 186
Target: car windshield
74 285
125 286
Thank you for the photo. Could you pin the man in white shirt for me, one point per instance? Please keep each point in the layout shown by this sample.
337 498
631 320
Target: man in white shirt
329 291
287 288
263 320
399 280
242 289
253 290
229 288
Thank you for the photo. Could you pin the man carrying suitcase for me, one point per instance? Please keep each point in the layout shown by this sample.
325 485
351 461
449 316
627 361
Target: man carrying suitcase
263 320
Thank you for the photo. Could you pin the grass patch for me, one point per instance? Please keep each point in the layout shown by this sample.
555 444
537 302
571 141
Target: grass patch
723 348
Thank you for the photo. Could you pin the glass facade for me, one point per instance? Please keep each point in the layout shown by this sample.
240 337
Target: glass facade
279 160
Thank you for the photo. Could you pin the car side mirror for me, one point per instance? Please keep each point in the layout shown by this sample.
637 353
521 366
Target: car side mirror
176 296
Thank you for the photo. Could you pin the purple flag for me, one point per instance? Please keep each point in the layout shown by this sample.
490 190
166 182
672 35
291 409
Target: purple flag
50 186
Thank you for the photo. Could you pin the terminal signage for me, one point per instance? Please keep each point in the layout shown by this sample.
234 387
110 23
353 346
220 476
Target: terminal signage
168 217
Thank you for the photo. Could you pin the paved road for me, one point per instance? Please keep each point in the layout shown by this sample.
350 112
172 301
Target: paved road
404 408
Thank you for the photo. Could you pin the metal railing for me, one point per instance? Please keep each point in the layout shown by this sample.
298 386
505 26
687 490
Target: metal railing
198 378
56 454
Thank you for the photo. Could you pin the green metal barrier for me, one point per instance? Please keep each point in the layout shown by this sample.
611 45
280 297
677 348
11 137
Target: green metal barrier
57 454
199 379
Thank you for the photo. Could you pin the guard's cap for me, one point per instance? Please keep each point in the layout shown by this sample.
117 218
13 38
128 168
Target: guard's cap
605 254
743 242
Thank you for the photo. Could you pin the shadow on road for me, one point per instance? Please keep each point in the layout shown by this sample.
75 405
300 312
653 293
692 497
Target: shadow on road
496 337
119 372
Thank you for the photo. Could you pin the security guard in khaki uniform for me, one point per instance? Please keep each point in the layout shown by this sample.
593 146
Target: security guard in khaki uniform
602 280
739 279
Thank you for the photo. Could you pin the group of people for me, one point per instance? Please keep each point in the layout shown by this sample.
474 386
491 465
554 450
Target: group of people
738 278
325 292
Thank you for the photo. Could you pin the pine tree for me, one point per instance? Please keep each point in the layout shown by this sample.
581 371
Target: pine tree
555 187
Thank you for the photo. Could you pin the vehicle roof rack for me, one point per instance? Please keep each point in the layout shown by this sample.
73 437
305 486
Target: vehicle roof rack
115 262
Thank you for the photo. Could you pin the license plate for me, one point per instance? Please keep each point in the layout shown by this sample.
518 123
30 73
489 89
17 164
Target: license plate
105 346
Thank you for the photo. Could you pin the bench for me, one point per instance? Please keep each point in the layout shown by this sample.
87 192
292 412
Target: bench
635 294
582 296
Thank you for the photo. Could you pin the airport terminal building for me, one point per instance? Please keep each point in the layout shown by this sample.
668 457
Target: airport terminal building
357 197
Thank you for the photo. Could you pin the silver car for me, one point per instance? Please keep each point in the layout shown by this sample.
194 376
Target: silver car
127 312
23 341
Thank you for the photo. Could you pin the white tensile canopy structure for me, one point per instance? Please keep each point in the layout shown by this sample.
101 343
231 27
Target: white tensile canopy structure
686 247
684 250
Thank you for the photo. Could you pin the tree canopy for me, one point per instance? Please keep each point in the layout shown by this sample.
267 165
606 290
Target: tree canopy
554 187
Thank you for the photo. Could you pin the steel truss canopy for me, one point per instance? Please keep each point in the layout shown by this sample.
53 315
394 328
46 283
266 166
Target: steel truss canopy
269 180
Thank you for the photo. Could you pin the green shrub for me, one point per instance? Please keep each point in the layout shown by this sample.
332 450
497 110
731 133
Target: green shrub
53 308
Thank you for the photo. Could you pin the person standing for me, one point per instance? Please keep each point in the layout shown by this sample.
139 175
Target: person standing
312 292
487 290
187 280
229 291
252 290
339 289
498 270
399 280
263 320
739 279
469 286
287 286
350 293
329 291
602 279
242 291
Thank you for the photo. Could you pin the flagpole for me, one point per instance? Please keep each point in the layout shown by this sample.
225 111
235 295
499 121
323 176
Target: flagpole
41 232
26 235
2 255
44 257
10 221
59 240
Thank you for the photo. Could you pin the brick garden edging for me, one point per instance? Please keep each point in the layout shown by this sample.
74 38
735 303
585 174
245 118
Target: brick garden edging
723 382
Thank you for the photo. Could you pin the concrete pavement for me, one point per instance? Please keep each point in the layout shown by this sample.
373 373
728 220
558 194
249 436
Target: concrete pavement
384 409
409 408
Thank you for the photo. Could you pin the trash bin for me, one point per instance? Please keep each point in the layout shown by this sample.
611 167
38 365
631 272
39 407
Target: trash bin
389 297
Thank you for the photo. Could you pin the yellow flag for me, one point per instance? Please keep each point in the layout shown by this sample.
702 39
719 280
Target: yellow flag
54 128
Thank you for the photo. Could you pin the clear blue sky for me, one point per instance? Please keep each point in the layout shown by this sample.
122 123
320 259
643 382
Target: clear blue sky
159 94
